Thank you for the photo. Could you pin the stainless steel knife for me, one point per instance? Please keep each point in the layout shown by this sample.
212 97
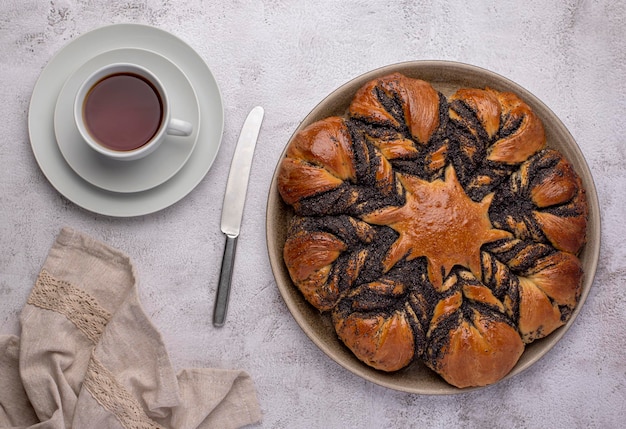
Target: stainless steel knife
232 209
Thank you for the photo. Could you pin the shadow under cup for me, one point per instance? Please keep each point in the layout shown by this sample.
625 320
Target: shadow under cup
122 111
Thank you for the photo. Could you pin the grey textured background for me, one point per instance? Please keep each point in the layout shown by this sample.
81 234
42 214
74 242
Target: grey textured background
287 56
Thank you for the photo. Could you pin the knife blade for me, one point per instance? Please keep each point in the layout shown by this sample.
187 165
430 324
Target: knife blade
232 208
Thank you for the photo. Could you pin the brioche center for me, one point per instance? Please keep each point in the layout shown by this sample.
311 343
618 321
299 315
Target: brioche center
438 221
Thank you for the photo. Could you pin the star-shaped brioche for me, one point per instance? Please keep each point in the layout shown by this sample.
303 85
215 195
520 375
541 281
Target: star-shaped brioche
438 221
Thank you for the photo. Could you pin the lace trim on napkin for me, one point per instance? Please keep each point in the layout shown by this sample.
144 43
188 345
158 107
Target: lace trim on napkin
114 397
76 305
90 318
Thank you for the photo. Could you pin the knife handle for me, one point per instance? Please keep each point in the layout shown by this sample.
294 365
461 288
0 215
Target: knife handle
223 287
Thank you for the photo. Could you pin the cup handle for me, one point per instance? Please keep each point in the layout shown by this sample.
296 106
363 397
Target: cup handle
178 127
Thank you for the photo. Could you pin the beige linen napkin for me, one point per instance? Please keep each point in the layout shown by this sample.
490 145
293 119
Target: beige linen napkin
89 357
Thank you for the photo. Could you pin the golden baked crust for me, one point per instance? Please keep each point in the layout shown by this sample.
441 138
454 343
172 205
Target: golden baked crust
434 228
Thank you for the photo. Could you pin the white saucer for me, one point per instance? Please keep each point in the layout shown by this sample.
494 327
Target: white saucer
73 56
144 173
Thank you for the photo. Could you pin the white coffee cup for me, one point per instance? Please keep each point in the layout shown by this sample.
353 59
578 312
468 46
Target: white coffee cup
122 111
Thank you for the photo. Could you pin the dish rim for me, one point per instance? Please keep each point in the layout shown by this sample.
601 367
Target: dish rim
334 102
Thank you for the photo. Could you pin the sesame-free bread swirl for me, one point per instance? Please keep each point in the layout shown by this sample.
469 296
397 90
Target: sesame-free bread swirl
434 228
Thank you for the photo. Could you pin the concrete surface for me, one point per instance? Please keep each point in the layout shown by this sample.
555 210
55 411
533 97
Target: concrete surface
287 56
